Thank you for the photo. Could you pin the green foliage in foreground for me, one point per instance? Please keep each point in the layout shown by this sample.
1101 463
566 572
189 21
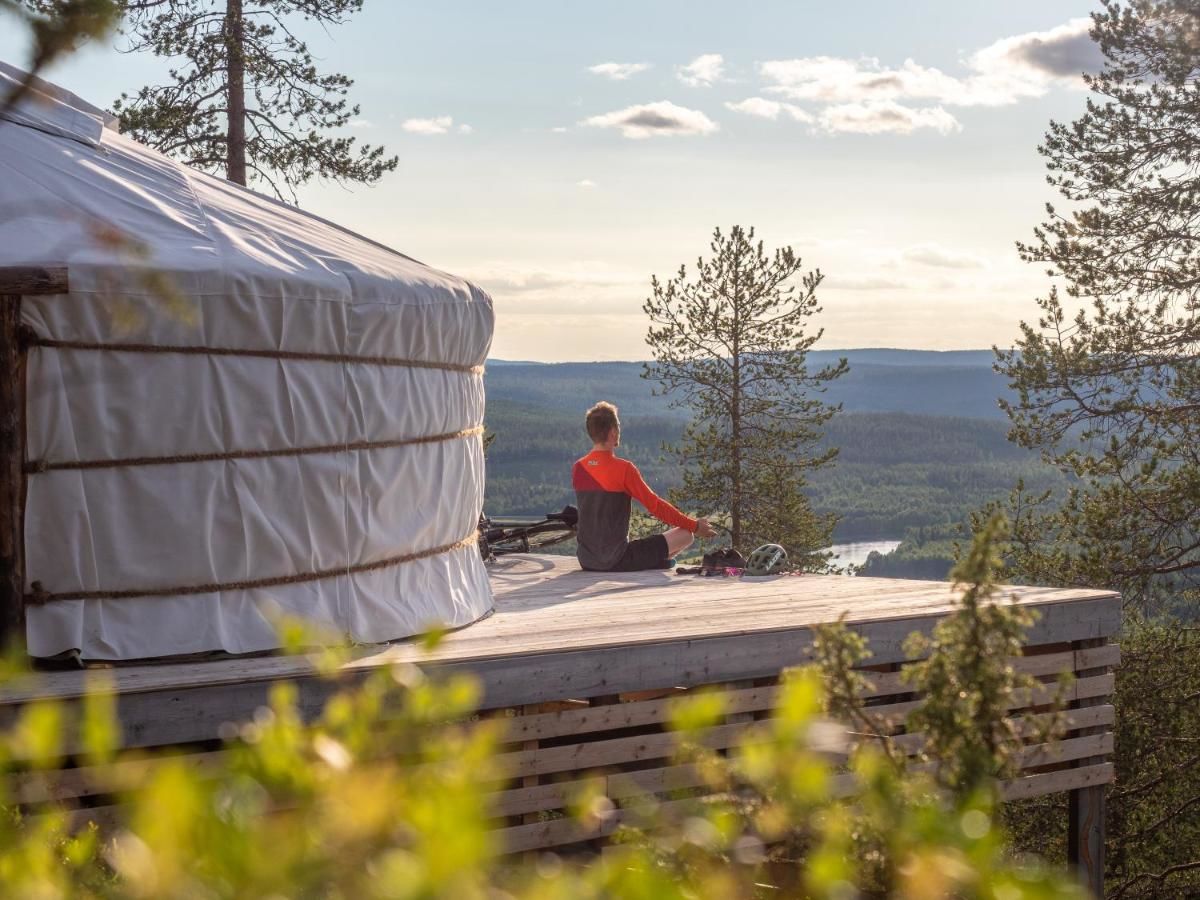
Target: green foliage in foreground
386 796
965 675
55 28
1153 830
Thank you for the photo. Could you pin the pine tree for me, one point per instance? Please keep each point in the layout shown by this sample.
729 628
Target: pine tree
1108 389
1108 379
248 101
730 345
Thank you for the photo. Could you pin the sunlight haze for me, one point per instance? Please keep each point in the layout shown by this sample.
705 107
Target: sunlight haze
560 154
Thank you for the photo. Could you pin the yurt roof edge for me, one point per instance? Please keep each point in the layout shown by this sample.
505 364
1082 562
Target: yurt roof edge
52 110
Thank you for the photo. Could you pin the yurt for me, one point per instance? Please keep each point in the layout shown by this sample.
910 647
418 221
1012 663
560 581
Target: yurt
239 414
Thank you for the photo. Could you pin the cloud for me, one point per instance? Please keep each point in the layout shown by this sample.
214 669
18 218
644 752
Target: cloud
361 123
585 183
618 71
884 117
936 255
578 287
827 79
769 109
560 129
440 125
757 106
653 119
1002 73
703 71
1059 53
524 282
465 129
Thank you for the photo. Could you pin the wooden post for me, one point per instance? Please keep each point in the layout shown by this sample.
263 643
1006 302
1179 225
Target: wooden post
15 283
530 709
1085 816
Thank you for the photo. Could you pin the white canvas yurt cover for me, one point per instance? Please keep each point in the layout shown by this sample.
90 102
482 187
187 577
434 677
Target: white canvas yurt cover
240 411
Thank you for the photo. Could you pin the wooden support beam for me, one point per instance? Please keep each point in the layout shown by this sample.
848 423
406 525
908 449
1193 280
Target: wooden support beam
29 281
15 282
531 781
1085 805
12 477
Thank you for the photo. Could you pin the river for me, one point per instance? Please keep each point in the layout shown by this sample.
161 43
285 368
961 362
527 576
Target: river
856 553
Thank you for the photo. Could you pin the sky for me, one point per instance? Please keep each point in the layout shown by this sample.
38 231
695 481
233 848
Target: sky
560 153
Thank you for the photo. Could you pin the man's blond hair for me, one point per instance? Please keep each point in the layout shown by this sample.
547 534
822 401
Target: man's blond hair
601 419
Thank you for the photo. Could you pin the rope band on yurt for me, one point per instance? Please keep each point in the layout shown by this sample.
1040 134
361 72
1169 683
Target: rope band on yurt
38 595
38 466
31 339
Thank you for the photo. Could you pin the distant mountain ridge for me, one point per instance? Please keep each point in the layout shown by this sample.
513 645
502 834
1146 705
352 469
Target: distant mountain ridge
958 383
887 356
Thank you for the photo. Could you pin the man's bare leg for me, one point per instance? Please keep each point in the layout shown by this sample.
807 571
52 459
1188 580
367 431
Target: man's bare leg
678 540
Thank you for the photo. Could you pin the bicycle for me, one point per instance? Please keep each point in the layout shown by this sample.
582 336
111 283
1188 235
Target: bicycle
504 537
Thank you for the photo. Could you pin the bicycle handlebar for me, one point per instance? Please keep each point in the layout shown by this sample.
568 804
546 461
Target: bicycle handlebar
568 516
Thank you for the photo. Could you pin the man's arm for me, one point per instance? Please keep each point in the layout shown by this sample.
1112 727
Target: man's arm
637 488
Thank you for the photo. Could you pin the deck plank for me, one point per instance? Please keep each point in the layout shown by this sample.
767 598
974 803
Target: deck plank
545 605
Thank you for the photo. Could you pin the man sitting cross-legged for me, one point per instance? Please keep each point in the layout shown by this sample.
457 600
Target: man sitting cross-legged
604 486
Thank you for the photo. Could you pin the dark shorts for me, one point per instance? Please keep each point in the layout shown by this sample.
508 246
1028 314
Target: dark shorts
644 553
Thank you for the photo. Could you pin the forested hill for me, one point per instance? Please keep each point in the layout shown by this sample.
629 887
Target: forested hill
895 472
950 383
923 442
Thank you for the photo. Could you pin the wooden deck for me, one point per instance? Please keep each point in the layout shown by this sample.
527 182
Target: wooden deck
581 666
560 632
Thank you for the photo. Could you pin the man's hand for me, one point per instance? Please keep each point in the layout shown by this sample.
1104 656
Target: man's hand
704 529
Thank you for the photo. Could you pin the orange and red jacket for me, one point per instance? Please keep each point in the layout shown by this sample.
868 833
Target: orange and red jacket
604 486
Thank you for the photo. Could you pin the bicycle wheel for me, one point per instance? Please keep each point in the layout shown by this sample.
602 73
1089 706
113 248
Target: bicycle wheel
528 539
549 540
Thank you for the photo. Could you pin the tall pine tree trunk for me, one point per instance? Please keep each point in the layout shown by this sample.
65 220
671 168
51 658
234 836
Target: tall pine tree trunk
735 439
235 149
735 418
